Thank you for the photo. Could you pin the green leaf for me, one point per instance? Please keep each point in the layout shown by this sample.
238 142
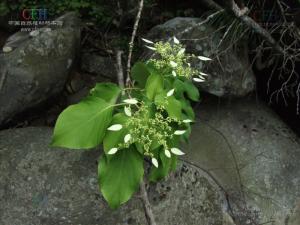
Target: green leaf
191 90
82 126
171 104
140 74
113 138
107 91
154 85
173 108
187 109
120 176
186 87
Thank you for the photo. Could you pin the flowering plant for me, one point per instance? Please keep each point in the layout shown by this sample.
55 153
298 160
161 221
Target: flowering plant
147 121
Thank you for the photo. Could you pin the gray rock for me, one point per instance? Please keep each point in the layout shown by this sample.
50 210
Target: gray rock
44 186
253 155
103 67
230 73
37 67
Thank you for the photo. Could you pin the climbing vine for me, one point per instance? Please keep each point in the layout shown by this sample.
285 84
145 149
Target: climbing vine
144 122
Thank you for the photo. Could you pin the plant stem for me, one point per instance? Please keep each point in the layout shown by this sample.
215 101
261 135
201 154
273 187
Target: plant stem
147 206
120 69
131 43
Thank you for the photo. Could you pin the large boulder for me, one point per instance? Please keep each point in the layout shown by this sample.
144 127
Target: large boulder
230 71
253 155
35 66
44 186
102 66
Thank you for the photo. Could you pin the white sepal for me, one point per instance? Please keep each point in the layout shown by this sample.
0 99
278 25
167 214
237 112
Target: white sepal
198 80
181 51
154 162
7 49
179 132
201 77
174 73
203 74
115 127
187 121
203 58
170 93
151 48
173 64
112 151
127 111
130 101
168 153
147 41
177 151
176 41
127 138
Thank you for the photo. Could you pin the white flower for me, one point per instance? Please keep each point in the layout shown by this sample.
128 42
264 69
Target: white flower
170 93
173 64
177 151
179 132
187 121
115 127
174 73
155 162
147 41
203 74
130 101
181 51
112 151
127 111
198 80
203 58
7 49
127 138
176 41
189 64
168 153
152 48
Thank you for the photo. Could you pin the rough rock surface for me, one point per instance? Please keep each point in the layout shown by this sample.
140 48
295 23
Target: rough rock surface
253 155
101 66
230 71
37 67
44 186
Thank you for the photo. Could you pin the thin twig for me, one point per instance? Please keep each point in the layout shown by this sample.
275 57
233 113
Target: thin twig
240 13
131 43
147 206
120 69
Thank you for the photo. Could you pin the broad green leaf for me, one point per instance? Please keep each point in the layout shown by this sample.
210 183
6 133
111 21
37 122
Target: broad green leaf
113 138
171 104
187 87
120 177
187 109
82 126
140 74
191 90
107 91
154 85
173 107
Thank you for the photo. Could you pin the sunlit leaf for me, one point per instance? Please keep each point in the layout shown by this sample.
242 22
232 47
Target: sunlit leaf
83 126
